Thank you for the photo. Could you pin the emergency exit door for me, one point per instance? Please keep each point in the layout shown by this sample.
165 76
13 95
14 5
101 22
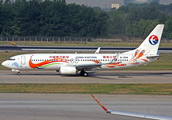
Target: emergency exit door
23 60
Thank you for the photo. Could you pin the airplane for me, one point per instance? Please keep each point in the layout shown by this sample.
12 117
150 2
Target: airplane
133 114
70 64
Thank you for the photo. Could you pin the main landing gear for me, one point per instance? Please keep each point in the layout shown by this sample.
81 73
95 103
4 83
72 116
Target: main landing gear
83 73
18 73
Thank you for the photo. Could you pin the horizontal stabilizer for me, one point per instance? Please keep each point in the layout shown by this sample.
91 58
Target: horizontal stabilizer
156 56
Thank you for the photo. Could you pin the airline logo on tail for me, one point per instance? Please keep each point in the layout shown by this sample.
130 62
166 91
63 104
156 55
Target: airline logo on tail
153 40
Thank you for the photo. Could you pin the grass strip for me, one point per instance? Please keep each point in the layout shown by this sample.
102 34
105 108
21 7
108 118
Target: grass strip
93 44
138 89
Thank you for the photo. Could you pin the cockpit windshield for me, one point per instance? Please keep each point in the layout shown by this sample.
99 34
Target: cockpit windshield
12 59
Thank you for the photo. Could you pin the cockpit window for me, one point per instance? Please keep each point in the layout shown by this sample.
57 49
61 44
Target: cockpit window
12 59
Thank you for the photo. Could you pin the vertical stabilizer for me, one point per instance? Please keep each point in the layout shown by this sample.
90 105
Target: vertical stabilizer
151 44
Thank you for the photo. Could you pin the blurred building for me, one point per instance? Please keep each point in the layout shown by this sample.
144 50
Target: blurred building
126 2
116 6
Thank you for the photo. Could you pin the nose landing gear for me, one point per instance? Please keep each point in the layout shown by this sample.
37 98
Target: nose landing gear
18 73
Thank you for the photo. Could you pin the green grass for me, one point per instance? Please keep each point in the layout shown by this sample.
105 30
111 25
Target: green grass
148 89
97 44
92 44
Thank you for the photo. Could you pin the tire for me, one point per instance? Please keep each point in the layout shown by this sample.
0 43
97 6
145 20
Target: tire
85 74
18 73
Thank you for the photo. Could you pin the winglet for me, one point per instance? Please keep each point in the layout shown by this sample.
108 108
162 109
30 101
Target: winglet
133 114
100 103
116 58
97 51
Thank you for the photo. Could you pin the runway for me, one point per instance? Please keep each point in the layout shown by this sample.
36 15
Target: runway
79 107
114 77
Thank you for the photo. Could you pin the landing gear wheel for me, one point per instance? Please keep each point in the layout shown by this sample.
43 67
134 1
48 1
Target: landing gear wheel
18 73
85 74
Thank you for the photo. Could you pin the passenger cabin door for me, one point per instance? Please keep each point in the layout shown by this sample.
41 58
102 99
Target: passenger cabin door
23 60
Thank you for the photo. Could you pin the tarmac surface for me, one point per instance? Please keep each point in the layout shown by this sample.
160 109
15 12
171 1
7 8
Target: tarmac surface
162 76
79 107
21 106
14 106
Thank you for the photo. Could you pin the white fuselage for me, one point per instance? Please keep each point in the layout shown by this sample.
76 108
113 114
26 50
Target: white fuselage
55 61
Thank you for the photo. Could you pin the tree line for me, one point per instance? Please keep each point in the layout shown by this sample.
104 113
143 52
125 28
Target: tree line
50 18
136 20
57 18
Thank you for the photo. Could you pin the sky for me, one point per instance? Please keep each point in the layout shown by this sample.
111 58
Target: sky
99 2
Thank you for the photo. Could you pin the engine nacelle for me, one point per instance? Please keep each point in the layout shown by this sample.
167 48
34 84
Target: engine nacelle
67 70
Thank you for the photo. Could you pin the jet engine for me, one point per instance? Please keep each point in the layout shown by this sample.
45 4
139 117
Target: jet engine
67 70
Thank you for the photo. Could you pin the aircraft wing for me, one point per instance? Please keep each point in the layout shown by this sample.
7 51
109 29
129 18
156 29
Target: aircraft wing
133 114
97 64
97 51
88 66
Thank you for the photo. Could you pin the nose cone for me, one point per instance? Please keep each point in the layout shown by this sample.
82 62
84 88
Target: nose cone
4 64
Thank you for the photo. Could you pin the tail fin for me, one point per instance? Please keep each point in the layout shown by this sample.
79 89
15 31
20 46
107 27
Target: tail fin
151 44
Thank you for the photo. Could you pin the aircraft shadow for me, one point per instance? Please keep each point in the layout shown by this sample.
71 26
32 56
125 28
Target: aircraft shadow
97 74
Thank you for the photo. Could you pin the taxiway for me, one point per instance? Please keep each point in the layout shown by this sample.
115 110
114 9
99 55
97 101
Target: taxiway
162 76
79 107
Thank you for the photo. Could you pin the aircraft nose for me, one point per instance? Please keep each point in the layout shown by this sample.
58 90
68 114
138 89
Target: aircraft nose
4 63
